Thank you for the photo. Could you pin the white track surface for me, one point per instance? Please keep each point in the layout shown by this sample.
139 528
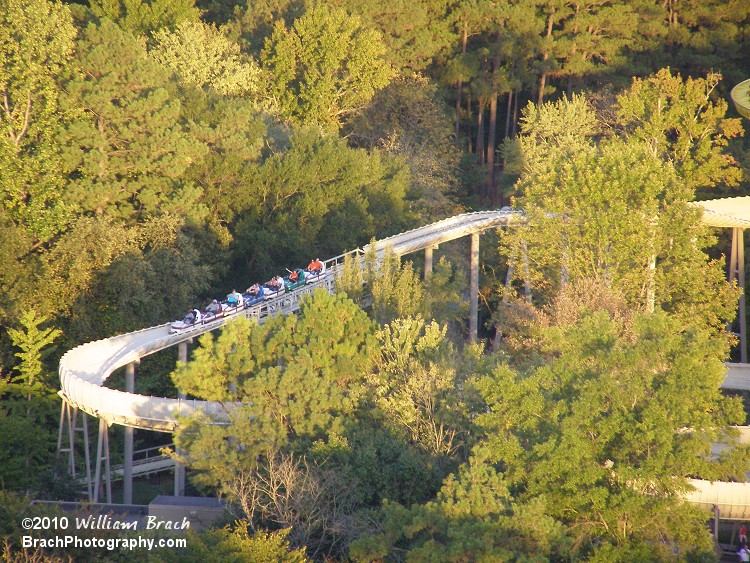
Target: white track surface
741 97
85 369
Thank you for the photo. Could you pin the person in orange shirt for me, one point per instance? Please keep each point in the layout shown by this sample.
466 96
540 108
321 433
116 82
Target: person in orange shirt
315 266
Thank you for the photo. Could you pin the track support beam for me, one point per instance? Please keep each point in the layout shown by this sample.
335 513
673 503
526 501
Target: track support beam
69 426
102 455
179 469
474 288
428 260
737 272
127 484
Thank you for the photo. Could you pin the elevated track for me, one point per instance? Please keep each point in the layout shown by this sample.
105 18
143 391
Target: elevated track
85 369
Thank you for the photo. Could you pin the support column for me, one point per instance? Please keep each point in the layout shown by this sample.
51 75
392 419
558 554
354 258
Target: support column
526 273
509 280
474 288
715 510
179 469
87 453
732 270
102 454
427 261
737 272
741 282
68 416
127 484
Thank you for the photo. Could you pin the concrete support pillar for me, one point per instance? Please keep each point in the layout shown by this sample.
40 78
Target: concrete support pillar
68 416
737 272
741 282
715 510
182 350
474 288
509 281
102 455
427 261
87 454
179 469
127 483
526 273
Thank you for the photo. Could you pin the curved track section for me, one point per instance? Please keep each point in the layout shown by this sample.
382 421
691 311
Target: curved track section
85 369
448 229
730 500
741 97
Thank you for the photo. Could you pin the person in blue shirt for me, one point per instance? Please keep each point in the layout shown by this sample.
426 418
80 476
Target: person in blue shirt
234 299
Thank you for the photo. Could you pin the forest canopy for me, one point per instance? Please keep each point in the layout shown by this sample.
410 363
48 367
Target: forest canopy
155 154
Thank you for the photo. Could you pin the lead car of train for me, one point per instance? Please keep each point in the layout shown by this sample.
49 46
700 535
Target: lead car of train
236 302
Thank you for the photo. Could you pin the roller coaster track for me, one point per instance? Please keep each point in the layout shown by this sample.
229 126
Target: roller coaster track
740 95
84 370
145 462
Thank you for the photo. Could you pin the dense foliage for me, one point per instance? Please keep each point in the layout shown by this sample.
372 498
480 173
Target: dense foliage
156 153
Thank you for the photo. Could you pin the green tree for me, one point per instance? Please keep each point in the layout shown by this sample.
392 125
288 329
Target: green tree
683 122
695 37
593 39
315 198
580 41
202 56
35 345
606 419
286 383
28 404
16 266
444 294
145 16
157 277
395 288
324 68
547 16
415 33
36 46
70 267
407 118
473 518
617 213
419 387
235 135
128 150
468 18
395 291
350 278
253 24
552 133
235 545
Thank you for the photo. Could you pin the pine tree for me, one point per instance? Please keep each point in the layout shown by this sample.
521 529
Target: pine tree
609 413
28 404
286 383
324 68
145 16
36 46
129 148
202 56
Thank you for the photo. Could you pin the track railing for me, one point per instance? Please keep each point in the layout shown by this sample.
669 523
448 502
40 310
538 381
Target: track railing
85 369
